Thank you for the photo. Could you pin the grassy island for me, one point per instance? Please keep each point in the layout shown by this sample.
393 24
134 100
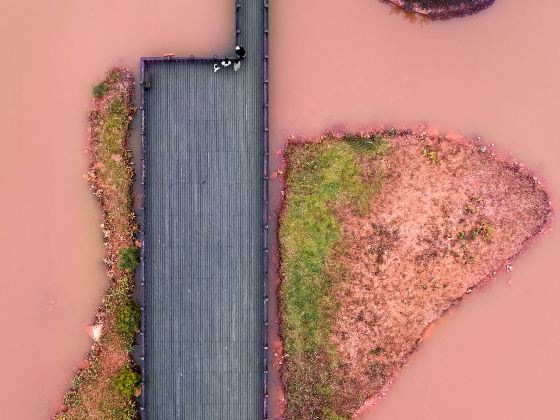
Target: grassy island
380 234
105 388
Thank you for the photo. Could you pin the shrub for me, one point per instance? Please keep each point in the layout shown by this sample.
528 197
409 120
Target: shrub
127 381
100 89
431 154
115 75
72 398
128 321
129 258
483 229
377 350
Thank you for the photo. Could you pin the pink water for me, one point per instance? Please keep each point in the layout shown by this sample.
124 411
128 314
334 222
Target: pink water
51 271
353 64
333 64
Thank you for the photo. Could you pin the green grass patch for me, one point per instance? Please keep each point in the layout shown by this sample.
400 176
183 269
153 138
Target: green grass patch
113 130
483 229
100 89
129 258
127 381
128 321
321 177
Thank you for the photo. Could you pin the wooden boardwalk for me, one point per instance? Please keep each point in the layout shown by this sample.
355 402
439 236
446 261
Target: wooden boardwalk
204 264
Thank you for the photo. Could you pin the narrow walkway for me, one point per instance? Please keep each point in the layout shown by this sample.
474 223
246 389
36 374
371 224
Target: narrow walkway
204 259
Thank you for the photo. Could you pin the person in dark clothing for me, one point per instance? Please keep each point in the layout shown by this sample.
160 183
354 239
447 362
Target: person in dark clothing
240 51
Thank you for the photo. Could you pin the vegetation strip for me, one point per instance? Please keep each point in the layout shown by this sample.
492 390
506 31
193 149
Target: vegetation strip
380 234
105 388
321 177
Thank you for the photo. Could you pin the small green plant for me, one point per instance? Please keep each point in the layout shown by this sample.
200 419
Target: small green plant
128 321
470 209
376 350
100 89
109 410
431 154
377 370
114 75
473 234
127 381
483 229
472 205
129 258
72 398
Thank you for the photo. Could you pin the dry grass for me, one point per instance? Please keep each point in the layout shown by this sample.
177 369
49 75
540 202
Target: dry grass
94 394
441 217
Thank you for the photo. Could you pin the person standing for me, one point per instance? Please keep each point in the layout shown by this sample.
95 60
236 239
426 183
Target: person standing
216 67
236 64
226 62
240 51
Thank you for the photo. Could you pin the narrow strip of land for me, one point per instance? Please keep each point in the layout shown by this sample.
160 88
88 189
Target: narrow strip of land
203 242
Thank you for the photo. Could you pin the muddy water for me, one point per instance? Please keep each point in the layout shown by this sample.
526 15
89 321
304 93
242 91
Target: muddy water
349 65
51 274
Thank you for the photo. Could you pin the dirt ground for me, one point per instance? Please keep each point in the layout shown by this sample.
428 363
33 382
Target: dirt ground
450 214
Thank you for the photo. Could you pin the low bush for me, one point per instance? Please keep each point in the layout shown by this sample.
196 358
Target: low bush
431 154
100 89
128 321
127 381
129 258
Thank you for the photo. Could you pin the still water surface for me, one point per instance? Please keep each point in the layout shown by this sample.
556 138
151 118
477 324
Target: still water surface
356 63
51 271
